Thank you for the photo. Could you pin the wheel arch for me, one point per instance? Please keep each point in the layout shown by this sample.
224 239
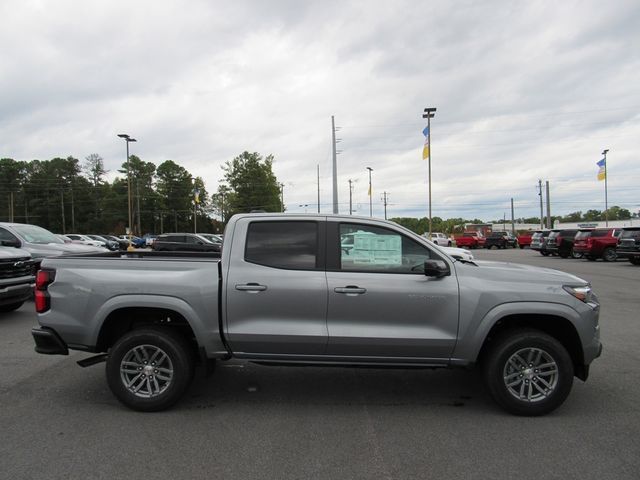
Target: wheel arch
557 326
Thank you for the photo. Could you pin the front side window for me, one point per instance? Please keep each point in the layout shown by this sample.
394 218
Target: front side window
289 245
365 248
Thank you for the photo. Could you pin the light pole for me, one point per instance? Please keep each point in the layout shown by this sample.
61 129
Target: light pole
128 139
429 113
370 193
606 202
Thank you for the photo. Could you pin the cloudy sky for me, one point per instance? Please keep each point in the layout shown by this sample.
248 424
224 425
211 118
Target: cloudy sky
523 90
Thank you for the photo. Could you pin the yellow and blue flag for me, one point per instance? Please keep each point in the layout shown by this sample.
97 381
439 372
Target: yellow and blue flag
602 173
425 149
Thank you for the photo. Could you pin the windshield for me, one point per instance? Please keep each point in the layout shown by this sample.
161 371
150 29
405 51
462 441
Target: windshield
630 234
38 235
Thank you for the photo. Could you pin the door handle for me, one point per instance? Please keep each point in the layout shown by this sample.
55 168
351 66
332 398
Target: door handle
350 290
251 287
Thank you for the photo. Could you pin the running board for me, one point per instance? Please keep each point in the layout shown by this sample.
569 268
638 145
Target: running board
87 362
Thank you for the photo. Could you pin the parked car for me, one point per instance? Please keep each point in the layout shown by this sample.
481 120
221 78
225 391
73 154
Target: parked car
86 240
122 244
458 253
184 242
110 244
440 239
470 240
284 292
539 241
17 278
500 240
561 242
629 244
524 239
597 243
137 242
40 243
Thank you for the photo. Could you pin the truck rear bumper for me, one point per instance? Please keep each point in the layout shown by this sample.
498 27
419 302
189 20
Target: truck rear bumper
49 342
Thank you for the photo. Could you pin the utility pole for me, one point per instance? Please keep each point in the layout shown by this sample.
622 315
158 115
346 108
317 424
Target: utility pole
370 193
73 212
429 113
282 198
62 210
138 206
384 201
318 187
548 206
541 209
513 222
350 197
11 207
335 165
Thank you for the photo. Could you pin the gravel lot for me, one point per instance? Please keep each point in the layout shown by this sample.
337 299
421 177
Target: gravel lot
247 421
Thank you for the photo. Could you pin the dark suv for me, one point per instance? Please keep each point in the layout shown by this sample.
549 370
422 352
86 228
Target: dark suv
184 242
629 244
501 240
561 242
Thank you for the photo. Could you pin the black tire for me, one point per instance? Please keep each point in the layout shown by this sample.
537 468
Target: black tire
138 348
575 254
528 348
609 254
10 307
546 254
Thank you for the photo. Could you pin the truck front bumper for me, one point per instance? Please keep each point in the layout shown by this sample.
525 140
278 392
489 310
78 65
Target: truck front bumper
49 342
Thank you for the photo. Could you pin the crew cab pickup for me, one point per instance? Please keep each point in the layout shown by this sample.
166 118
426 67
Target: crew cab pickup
597 243
629 244
470 240
318 290
500 240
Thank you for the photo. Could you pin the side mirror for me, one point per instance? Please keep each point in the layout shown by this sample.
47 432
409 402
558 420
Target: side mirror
10 243
436 268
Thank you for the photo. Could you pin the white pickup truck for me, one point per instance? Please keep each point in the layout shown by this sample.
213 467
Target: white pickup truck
318 290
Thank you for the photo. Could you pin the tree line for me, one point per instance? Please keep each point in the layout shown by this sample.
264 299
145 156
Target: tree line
66 195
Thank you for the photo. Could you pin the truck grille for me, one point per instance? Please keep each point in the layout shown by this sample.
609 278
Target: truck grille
17 267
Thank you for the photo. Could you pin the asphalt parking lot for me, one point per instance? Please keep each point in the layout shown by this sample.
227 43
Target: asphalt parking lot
247 421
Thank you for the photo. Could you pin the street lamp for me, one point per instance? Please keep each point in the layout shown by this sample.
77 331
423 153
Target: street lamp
370 193
429 113
128 139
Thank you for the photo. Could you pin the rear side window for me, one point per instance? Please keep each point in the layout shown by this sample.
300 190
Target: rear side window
290 245
581 235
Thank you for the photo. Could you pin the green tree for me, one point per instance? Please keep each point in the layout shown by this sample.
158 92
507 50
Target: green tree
253 183
175 190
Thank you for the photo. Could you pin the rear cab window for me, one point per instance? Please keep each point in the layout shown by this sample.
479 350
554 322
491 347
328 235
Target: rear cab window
290 245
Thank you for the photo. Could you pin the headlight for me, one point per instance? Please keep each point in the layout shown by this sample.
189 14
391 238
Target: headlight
583 293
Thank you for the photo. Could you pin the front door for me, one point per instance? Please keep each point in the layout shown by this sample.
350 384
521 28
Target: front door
380 302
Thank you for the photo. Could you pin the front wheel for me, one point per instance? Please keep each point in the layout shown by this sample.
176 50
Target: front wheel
150 369
528 372
609 254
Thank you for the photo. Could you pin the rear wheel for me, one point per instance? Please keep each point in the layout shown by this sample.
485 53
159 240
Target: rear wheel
528 372
150 369
575 254
609 254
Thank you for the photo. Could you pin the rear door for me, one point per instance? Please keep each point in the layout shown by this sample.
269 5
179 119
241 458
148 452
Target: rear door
381 305
276 288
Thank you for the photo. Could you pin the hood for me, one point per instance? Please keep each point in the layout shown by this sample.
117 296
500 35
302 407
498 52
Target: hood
505 271
8 253
56 249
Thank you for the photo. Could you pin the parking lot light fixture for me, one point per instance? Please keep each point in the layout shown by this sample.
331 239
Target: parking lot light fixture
128 139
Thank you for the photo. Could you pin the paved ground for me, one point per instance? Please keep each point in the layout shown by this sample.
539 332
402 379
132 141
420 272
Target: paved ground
58 420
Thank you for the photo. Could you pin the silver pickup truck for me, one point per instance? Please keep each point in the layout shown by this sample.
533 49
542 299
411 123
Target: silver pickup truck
318 290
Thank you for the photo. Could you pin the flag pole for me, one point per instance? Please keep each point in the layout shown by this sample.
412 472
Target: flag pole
606 202
429 113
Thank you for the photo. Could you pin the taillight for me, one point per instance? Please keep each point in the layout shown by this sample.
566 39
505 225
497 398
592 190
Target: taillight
589 242
44 278
558 240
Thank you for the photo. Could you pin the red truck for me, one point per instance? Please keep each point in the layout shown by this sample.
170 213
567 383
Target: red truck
598 243
524 239
470 240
